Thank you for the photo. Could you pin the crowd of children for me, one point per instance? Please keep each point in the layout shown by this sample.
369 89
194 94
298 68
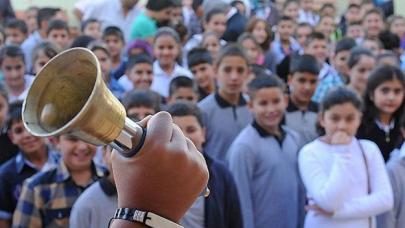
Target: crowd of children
298 109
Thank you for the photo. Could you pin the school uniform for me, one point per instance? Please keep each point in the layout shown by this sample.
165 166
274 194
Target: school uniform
395 218
223 122
235 25
265 169
328 79
303 122
386 138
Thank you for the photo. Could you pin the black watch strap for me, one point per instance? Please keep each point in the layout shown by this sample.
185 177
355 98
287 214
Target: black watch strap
147 218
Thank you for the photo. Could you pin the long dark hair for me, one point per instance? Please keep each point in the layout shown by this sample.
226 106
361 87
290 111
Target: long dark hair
377 77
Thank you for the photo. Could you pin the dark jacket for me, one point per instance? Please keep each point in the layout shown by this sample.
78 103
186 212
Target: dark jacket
222 209
234 27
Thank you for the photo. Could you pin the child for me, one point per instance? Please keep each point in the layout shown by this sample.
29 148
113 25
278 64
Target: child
101 51
114 38
302 113
360 63
384 105
252 47
97 203
350 16
317 45
396 169
223 198
327 26
302 32
388 58
182 88
91 27
16 31
139 73
373 23
212 43
31 14
8 150
284 43
396 25
345 178
261 31
166 49
42 54
58 34
226 113
328 9
339 60
12 64
355 31
47 198
140 104
263 161
33 156
291 9
374 45
200 63
307 13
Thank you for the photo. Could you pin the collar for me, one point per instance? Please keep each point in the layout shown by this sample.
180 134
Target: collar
263 133
158 71
63 174
312 107
385 128
225 104
231 12
108 188
21 161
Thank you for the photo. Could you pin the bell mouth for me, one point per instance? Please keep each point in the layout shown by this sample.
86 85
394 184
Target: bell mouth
60 91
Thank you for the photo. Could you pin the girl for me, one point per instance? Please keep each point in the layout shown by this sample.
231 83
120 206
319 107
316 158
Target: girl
252 47
345 178
384 105
212 43
42 53
327 26
261 31
396 25
8 149
166 49
291 9
361 62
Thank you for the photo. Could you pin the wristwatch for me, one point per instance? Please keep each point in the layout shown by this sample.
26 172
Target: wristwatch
147 218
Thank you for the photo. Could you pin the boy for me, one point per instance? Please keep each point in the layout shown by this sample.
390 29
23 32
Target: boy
16 32
317 46
182 88
33 156
302 113
339 60
92 27
12 64
225 111
284 44
263 161
103 56
114 38
302 33
97 204
140 104
396 170
307 13
373 23
223 199
138 73
355 31
199 61
58 34
47 198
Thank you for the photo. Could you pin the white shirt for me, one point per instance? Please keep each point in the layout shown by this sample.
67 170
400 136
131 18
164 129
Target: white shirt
110 13
126 83
161 80
335 178
28 82
308 17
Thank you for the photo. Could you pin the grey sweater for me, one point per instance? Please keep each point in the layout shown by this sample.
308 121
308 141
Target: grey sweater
266 174
223 123
396 171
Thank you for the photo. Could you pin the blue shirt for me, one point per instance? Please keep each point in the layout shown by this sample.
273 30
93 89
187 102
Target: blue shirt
12 175
28 47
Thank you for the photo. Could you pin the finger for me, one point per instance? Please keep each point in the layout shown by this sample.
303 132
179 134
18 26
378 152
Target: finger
144 122
178 140
160 128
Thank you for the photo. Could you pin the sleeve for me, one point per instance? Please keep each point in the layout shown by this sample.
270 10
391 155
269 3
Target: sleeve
380 199
241 165
27 213
80 215
326 189
389 219
6 205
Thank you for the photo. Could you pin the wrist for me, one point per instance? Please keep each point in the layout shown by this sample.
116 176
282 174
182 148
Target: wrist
141 218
